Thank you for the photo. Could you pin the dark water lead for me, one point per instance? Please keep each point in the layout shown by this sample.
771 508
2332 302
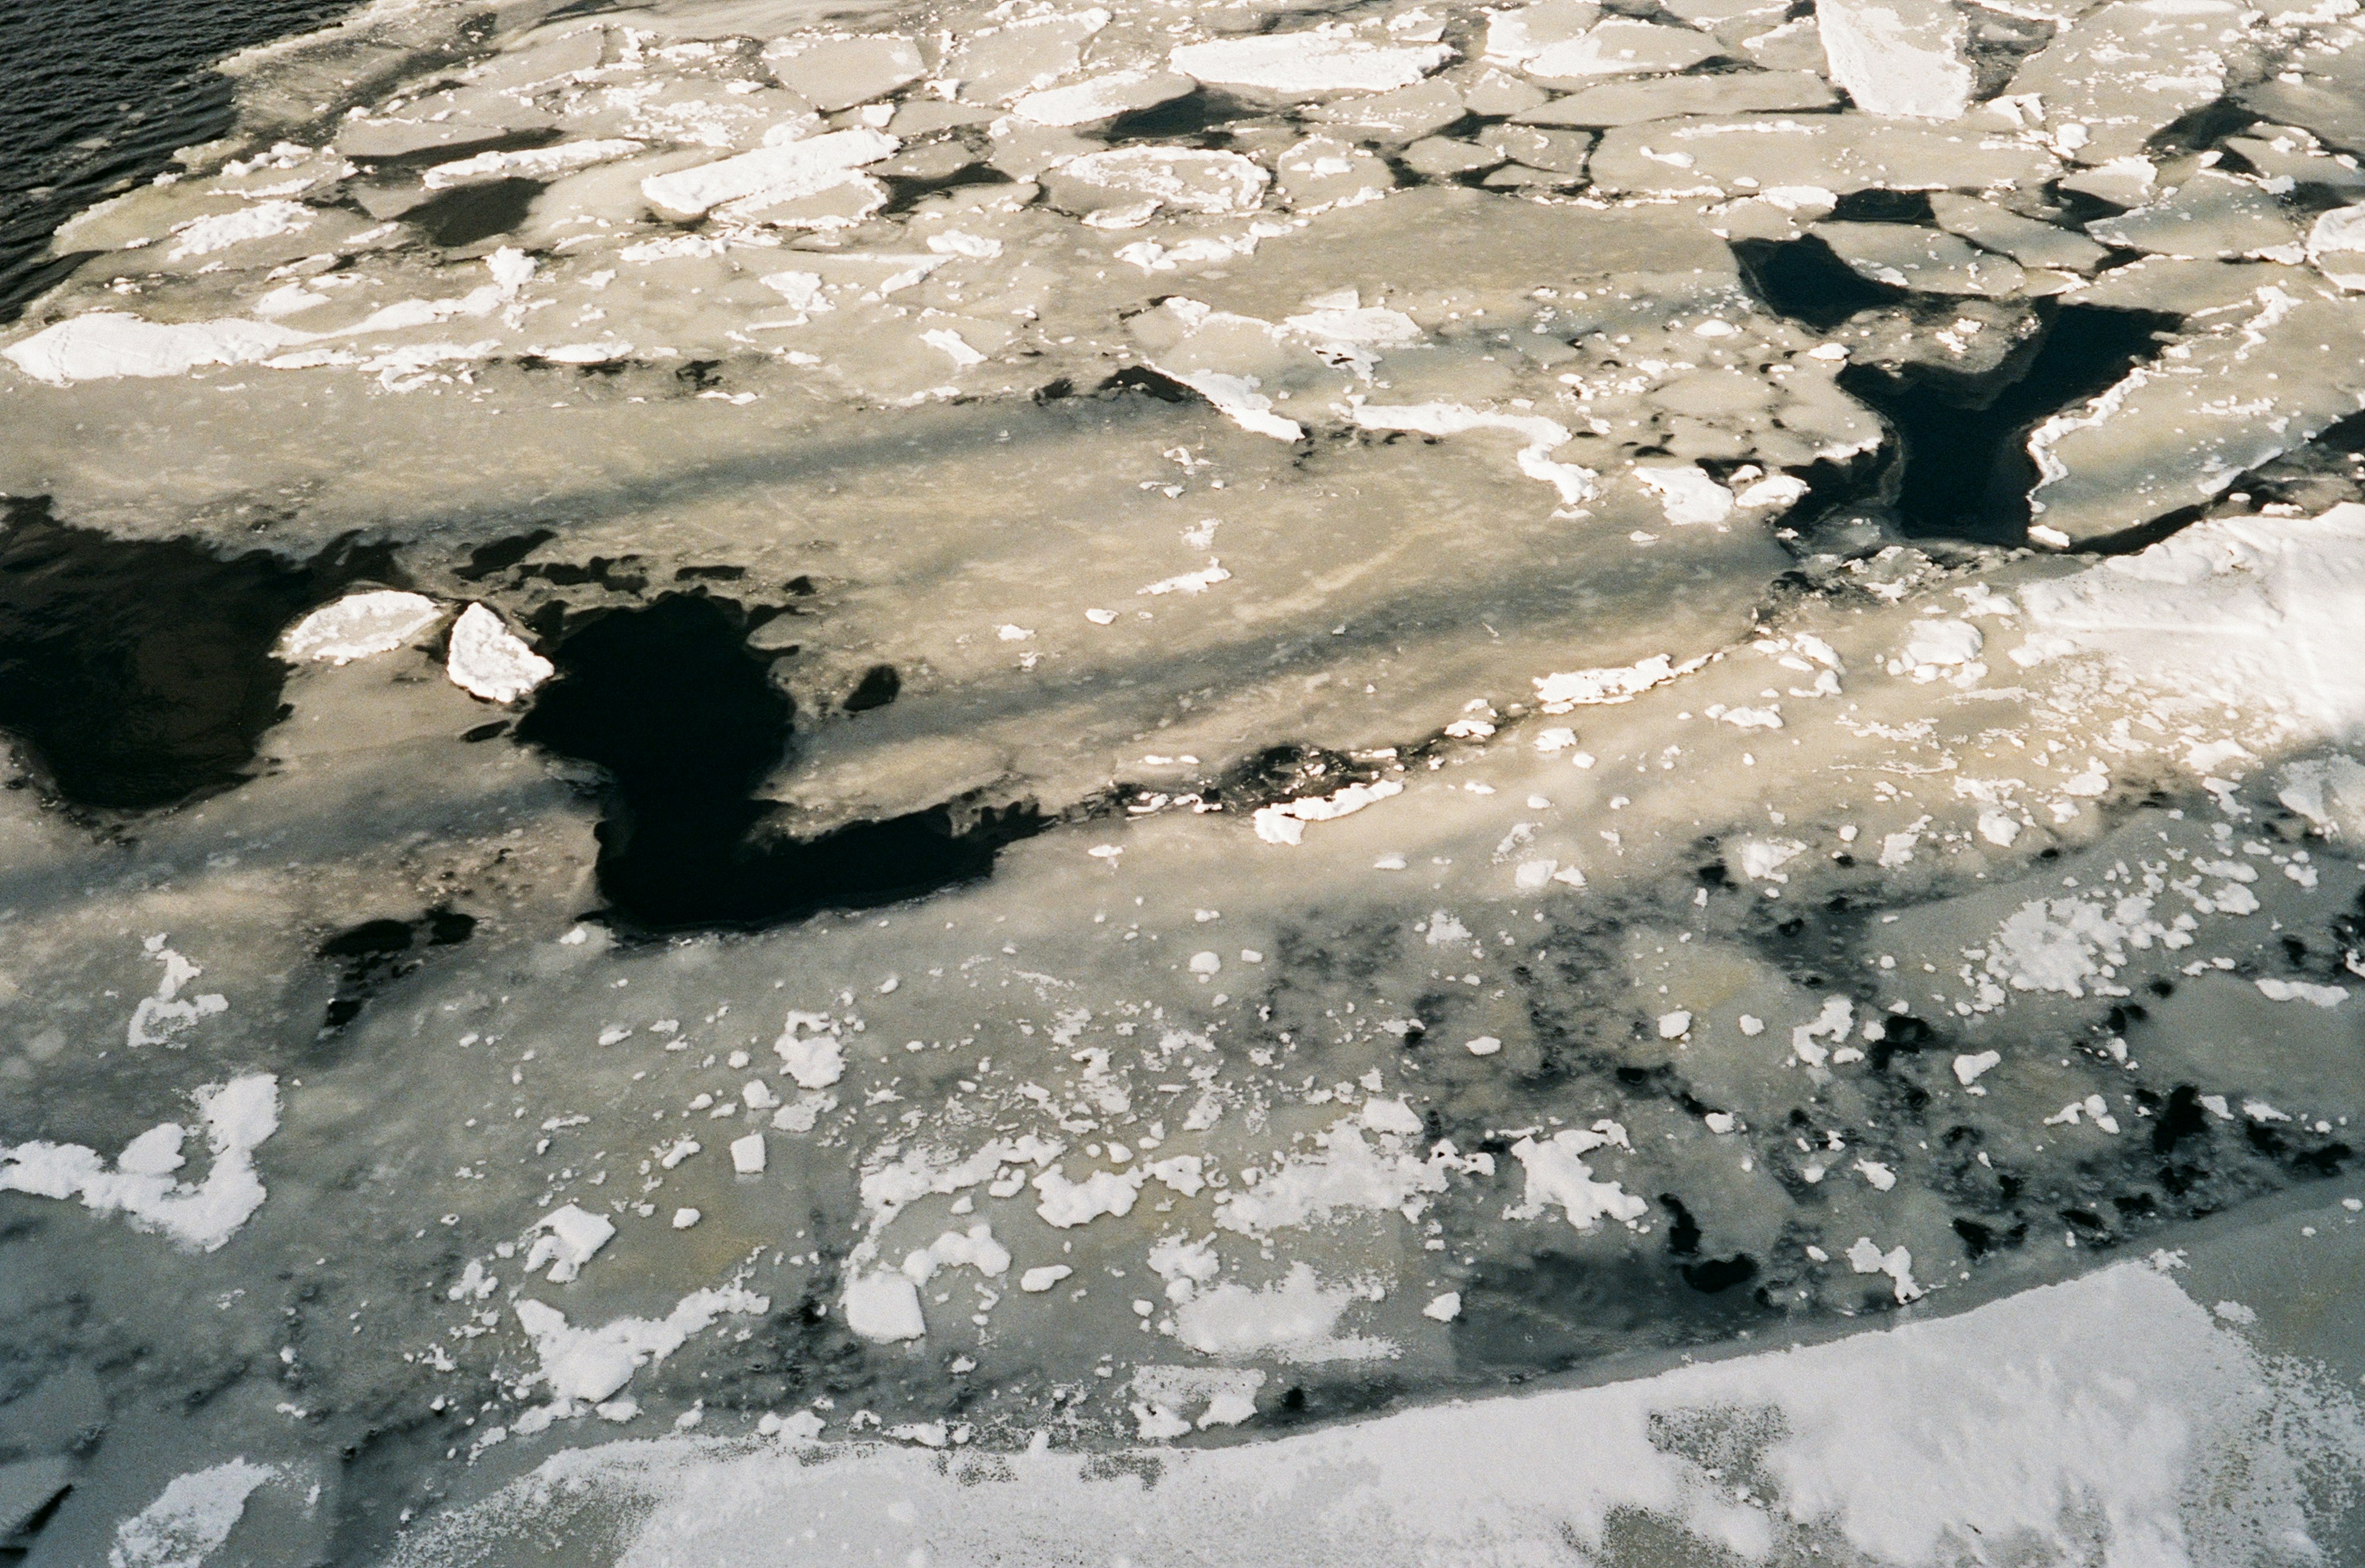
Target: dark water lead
139 674
1964 471
670 702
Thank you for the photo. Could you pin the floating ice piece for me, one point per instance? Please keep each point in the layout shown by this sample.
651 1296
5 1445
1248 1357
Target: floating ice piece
1295 1319
1969 1069
584 1366
489 660
164 1018
1320 61
1285 823
1897 57
1864 1258
784 173
1557 1174
1763 858
2336 244
1621 47
1036 1280
1102 97
747 1155
1938 642
192 1517
1482 1045
808 1048
1346 1173
2328 792
569 1238
1444 1308
359 626
1542 437
1228 1396
1558 693
976 1250
839 71
1066 1204
102 344
1832 1024
884 1307
238 1116
1237 398
1189 582
2302 991
204 236
1687 494
533 162
1188 179
1675 1025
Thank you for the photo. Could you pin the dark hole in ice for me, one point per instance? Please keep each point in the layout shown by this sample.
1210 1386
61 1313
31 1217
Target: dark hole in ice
500 554
2183 1118
904 193
1192 120
1683 1231
373 955
1806 280
140 673
465 214
1141 378
878 687
671 703
1966 469
1875 205
1710 1275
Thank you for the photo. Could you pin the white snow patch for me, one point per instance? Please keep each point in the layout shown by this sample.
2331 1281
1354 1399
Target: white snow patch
238 1116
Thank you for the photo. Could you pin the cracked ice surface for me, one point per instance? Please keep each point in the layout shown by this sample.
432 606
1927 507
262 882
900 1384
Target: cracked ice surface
1016 729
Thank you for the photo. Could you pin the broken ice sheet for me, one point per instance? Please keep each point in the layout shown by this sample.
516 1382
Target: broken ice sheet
1152 728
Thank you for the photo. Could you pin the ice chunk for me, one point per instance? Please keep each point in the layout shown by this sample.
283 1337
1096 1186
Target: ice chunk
589 1365
1067 1203
2302 991
840 71
102 344
1295 1319
1622 47
1558 1174
1687 494
1541 437
192 1517
1102 97
1864 1258
569 1238
1286 822
358 626
238 1116
884 1307
204 236
489 660
1320 60
2254 612
1897 57
533 162
792 170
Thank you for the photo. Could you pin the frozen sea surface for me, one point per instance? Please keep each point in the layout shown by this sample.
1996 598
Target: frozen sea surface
1038 780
